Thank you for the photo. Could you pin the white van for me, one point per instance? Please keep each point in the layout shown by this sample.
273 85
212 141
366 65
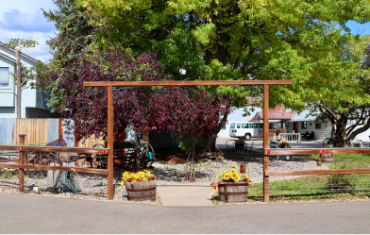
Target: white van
245 130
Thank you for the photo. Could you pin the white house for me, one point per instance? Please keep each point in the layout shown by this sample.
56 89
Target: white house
33 101
299 123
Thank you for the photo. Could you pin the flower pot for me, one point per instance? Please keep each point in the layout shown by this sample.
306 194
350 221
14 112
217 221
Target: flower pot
319 162
243 168
141 191
233 192
327 158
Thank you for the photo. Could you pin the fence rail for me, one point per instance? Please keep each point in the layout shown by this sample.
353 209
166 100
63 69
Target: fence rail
55 168
54 149
291 151
23 149
306 151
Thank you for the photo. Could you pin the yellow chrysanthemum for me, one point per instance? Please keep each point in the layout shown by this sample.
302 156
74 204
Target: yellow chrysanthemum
237 178
233 171
122 183
219 176
226 176
233 166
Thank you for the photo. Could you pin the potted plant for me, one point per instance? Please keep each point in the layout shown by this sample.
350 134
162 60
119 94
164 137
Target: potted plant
140 186
327 158
232 187
284 144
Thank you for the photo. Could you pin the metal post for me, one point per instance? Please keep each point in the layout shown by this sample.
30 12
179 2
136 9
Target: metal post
21 161
265 142
110 145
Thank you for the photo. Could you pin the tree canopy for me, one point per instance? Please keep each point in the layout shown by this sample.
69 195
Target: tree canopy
301 40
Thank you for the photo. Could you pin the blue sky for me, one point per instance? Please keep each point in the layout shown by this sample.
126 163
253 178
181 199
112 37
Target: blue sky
24 19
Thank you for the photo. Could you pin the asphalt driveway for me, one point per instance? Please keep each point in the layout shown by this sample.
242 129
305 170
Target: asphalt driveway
41 214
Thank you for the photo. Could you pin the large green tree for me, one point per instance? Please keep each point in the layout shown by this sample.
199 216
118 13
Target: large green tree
302 40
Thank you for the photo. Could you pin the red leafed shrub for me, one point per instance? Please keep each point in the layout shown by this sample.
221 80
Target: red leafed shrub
189 111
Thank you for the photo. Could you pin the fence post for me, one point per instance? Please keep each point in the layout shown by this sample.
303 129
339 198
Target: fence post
265 142
110 144
21 161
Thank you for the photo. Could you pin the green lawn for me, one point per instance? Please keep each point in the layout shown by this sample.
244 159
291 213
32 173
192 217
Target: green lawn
338 187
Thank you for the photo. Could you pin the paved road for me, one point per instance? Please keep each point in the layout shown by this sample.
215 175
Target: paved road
39 214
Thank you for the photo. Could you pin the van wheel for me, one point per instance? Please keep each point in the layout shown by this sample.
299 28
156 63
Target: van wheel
247 137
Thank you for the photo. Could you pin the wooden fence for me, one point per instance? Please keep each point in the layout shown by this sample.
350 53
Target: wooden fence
40 131
288 151
21 160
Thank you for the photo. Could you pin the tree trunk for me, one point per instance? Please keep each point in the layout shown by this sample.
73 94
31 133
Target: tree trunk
19 84
339 135
211 140
193 146
210 144
137 152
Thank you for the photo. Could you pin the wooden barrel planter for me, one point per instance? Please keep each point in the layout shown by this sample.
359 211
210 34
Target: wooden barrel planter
141 191
327 158
233 192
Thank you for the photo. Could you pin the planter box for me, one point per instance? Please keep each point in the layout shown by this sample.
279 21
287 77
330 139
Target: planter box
233 192
141 191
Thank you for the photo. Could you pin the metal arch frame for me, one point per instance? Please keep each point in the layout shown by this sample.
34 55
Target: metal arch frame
265 83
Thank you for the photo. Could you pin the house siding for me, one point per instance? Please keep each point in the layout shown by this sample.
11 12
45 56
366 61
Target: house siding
31 98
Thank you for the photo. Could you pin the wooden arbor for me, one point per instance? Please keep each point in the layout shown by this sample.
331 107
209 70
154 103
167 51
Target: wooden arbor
265 83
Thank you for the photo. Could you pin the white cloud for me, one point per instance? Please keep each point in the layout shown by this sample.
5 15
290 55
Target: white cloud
24 19
35 22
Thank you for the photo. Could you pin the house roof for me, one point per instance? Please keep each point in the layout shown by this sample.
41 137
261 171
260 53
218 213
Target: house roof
275 115
22 53
7 57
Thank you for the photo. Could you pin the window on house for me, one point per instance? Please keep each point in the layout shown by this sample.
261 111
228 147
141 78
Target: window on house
317 125
4 77
303 125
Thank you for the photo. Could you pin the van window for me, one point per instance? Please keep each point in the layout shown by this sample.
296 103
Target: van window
238 125
245 125
261 125
232 125
255 125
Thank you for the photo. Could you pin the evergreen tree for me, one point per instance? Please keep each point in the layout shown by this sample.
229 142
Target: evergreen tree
74 34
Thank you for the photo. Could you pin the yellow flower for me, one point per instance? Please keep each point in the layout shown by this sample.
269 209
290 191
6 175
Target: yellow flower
226 176
212 188
219 176
237 178
233 171
122 183
233 166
